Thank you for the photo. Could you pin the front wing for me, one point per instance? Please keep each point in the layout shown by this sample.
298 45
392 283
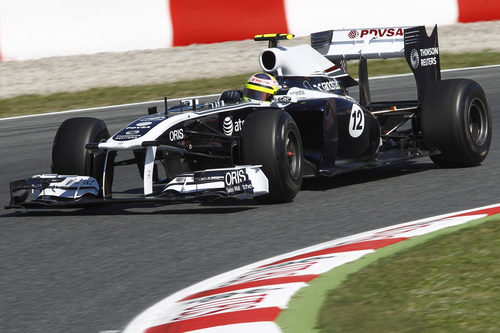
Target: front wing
71 191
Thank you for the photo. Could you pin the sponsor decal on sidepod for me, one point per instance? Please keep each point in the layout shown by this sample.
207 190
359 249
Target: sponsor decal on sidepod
229 127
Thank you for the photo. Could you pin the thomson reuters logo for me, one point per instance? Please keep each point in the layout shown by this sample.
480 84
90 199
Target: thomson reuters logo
414 59
227 126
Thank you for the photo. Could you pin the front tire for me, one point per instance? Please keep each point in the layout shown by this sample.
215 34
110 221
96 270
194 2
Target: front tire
271 138
69 155
456 119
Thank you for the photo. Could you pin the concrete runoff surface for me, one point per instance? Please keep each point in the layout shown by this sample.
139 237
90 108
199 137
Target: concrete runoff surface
74 73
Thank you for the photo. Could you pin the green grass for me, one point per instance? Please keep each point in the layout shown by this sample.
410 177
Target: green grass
32 104
448 284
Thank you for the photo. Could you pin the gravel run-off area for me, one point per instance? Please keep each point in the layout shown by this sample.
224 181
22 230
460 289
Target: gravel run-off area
74 73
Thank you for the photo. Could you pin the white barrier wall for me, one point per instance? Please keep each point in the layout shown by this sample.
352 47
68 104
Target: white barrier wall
34 28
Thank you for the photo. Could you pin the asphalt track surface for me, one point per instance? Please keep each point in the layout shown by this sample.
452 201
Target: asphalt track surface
92 270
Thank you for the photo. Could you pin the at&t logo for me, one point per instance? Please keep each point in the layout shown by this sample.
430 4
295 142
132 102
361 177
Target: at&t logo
229 127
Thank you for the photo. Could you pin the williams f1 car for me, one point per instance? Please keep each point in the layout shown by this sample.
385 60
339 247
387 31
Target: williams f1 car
235 147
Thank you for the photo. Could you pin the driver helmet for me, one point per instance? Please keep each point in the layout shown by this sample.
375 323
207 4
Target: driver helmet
260 87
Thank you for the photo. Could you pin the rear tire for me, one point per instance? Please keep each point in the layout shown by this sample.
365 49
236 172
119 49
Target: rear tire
456 120
271 138
69 155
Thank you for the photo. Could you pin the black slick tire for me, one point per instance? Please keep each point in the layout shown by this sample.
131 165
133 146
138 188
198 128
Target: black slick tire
69 155
271 138
456 120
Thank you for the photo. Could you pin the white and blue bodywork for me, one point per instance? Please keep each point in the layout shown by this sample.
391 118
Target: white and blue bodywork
198 145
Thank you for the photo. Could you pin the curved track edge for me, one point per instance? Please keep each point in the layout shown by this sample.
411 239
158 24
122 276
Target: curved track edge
268 295
303 310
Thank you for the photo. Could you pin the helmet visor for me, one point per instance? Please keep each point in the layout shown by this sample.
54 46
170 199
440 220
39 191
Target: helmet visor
258 93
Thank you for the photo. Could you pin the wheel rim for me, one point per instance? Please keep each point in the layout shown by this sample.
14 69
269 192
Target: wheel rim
293 155
478 122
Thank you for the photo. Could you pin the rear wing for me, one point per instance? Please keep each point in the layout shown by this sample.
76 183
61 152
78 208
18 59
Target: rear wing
421 52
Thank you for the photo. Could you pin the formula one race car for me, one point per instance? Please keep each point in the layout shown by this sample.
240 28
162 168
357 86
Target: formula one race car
294 120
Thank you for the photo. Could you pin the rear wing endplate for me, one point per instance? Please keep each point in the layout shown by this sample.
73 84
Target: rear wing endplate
421 51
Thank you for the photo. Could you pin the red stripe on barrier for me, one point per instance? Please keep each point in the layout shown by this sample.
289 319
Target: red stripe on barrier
201 21
478 10
246 316
253 284
368 245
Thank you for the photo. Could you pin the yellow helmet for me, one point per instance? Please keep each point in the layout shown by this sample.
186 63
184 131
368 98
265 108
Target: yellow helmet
260 87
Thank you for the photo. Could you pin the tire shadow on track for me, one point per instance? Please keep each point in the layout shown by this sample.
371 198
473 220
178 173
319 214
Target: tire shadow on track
365 175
